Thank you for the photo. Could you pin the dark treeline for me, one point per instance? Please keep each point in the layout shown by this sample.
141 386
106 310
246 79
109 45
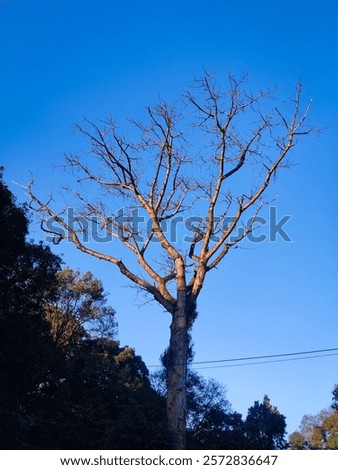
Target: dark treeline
65 381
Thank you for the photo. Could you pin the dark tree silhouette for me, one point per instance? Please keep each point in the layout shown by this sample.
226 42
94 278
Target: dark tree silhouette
265 426
27 353
64 382
335 398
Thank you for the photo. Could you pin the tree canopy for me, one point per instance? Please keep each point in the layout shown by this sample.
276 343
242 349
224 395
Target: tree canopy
265 426
318 431
206 163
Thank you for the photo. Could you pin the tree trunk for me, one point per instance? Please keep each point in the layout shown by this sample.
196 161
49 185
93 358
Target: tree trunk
177 374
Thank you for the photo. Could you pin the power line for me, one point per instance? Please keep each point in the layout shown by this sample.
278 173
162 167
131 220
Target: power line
265 362
267 356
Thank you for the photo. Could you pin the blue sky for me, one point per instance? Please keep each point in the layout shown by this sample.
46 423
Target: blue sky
62 60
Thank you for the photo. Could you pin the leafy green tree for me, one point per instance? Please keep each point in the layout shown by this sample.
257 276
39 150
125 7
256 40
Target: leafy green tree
317 439
319 431
312 431
296 441
330 430
322 430
265 426
79 309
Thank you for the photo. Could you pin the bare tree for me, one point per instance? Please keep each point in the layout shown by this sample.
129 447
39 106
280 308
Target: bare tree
181 167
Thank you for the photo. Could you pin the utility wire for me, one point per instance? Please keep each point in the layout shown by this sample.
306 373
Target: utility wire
268 356
265 362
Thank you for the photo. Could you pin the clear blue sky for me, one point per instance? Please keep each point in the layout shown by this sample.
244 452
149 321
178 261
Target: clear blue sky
65 59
